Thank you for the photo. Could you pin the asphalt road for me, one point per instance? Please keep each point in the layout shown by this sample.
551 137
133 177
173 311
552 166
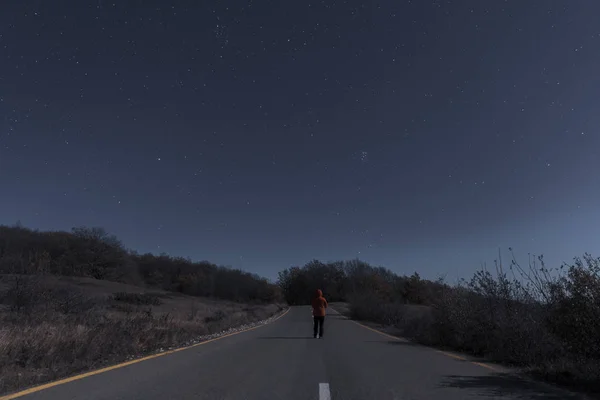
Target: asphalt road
282 361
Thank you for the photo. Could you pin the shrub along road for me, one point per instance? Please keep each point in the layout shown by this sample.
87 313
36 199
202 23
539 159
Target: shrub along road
281 360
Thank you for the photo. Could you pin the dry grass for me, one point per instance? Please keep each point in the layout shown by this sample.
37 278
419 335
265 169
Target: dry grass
54 327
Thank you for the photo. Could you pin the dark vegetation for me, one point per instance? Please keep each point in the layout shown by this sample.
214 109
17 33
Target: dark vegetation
71 302
137 298
91 252
541 321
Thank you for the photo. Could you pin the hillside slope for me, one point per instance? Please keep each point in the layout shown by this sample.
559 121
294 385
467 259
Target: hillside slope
52 326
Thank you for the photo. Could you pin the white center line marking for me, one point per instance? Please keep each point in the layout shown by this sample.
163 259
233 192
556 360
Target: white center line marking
324 391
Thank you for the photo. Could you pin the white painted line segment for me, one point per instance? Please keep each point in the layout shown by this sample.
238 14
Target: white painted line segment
324 391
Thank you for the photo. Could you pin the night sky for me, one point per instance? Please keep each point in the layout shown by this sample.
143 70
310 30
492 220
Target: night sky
416 135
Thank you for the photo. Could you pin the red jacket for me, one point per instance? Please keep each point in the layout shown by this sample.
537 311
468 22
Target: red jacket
319 304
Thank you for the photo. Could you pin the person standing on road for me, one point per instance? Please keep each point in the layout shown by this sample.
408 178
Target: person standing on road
319 304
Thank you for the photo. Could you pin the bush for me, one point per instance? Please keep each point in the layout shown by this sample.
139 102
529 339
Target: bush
545 321
219 315
67 300
23 293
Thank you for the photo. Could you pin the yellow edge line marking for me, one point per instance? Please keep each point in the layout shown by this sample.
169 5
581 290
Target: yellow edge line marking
452 355
457 357
376 331
121 365
369 328
486 366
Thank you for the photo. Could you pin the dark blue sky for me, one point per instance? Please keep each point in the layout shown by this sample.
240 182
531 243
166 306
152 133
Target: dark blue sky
414 135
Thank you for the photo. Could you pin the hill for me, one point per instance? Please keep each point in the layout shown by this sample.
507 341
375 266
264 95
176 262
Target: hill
71 302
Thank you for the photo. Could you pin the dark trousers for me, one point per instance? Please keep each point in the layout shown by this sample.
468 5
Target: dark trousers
318 326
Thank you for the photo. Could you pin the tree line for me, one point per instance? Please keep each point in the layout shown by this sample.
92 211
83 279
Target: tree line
92 252
350 281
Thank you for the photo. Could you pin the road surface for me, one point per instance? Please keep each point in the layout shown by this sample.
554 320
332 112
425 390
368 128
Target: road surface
282 361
